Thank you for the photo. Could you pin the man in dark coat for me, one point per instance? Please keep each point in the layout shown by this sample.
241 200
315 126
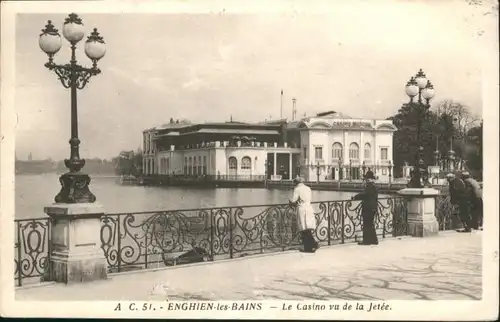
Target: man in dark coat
475 196
369 206
458 197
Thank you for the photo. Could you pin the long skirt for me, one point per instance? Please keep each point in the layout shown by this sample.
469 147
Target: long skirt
310 245
369 233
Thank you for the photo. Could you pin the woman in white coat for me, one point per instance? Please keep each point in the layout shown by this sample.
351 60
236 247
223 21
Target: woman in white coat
306 220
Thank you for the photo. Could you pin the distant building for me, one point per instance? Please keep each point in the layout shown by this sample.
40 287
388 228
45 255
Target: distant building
312 146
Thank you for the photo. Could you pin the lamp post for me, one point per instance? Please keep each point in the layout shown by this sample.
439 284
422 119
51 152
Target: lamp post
364 168
75 184
318 172
419 85
350 170
390 171
298 168
340 168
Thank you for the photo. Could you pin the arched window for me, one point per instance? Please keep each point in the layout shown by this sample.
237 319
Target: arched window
353 151
368 151
337 150
246 163
233 163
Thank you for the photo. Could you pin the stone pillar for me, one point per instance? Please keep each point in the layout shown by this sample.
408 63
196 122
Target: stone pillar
422 220
76 254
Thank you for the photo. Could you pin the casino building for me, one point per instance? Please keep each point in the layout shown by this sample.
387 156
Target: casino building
329 146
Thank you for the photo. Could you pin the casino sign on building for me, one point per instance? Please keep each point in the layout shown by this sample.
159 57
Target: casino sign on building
328 146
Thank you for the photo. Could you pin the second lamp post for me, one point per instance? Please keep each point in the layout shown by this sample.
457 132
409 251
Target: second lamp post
422 88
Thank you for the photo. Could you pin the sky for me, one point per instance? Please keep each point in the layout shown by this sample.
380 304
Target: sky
209 67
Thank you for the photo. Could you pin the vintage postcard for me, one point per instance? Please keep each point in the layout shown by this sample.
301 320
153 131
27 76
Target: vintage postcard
250 159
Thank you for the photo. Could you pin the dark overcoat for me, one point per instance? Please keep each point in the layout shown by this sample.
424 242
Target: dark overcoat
370 201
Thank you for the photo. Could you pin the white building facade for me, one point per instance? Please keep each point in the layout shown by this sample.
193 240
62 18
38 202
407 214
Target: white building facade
337 147
327 147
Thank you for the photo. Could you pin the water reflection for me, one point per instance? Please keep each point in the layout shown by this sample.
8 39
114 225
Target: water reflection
33 192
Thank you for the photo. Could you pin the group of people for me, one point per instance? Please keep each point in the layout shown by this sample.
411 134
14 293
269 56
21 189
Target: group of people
465 193
306 220
467 196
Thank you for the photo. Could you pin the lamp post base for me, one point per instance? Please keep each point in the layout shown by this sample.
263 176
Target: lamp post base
75 188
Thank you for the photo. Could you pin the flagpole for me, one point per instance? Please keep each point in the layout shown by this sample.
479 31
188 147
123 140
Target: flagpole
281 106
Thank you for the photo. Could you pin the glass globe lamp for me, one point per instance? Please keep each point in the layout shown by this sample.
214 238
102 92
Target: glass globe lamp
95 47
421 79
73 29
411 88
50 39
428 91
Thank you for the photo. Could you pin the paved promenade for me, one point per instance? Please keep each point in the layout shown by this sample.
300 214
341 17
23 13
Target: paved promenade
438 268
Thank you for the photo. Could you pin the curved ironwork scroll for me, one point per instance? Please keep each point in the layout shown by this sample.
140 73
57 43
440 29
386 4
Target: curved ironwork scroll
144 240
31 248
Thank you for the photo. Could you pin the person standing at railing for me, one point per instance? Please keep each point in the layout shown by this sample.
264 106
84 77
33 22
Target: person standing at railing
369 206
475 196
306 219
458 197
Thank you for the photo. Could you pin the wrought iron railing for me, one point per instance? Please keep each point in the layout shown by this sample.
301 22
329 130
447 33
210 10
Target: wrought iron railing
31 249
144 240
132 241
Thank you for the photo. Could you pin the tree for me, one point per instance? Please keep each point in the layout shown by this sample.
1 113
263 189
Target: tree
474 151
449 123
405 138
128 163
454 123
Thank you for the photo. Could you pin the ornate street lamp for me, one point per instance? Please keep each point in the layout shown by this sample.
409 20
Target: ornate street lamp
419 85
75 184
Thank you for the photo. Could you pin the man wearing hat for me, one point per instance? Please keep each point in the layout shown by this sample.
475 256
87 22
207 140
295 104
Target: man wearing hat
306 220
458 197
368 210
475 196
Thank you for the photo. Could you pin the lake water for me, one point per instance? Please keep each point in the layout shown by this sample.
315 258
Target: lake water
33 192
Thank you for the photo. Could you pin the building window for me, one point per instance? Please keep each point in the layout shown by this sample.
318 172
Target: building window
246 163
185 166
167 165
204 164
337 152
384 171
384 153
200 166
233 163
353 151
190 167
368 151
318 153
305 152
